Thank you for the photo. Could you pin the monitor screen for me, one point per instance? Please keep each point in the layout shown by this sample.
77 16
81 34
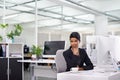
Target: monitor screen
50 47
102 50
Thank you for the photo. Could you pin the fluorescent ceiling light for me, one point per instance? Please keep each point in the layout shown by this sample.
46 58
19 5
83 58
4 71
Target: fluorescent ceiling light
10 16
86 17
68 18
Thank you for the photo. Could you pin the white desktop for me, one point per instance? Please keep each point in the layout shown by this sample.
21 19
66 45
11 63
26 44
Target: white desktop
96 74
37 61
48 56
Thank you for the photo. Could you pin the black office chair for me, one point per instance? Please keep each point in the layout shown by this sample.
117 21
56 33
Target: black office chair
26 65
1 51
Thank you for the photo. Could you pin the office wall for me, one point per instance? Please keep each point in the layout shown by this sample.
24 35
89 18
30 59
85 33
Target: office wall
28 34
53 36
42 37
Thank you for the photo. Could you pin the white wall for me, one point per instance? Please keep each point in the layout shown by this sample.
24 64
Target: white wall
28 34
53 36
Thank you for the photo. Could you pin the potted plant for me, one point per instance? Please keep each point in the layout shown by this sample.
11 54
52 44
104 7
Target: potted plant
36 50
16 32
1 38
11 34
2 26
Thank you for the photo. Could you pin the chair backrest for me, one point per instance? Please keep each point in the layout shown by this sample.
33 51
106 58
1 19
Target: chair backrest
60 61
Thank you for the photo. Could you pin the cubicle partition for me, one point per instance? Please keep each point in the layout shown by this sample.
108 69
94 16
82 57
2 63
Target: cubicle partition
10 69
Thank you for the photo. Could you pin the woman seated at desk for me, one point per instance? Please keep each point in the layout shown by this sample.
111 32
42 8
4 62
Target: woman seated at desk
75 56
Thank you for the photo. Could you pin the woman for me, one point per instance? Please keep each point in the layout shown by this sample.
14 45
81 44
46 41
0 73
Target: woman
75 56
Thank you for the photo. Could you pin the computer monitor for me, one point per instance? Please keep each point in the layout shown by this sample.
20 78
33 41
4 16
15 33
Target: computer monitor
108 50
50 47
102 47
115 47
115 51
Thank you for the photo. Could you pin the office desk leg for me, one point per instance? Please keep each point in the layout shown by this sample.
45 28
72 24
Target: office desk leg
32 72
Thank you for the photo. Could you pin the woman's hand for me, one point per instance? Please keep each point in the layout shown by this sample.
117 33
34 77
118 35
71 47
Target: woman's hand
80 68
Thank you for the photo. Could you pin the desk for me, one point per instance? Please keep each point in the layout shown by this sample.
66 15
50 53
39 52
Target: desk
88 75
37 61
40 70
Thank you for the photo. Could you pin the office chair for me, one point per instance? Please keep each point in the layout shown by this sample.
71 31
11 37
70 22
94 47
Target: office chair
60 61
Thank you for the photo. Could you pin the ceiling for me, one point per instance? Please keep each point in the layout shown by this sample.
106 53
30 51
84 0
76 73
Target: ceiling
59 14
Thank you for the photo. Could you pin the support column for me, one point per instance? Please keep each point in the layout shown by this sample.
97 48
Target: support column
101 29
101 25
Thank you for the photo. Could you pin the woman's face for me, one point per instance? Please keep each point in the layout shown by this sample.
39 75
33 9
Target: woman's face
74 42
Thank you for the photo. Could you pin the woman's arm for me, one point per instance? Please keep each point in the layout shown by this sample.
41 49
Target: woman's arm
68 60
88 62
